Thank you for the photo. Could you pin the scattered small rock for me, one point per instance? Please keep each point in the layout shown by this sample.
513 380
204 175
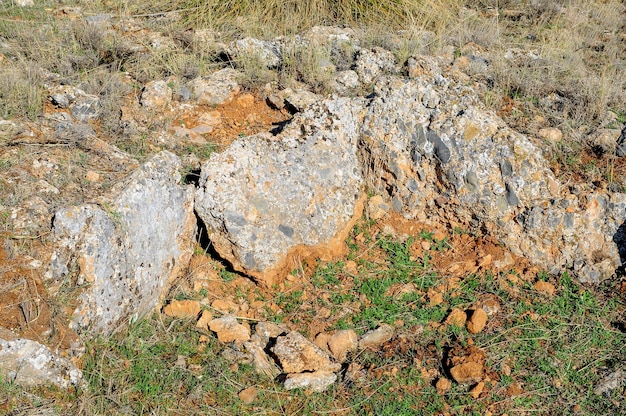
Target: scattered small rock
456 317
182 308
248 395
551 134
343 342
443 385
156 95
468 372
514 389
228 329
204 320
611 382
297 354
376 337
317 381
544 287
477 321
218 88
476 391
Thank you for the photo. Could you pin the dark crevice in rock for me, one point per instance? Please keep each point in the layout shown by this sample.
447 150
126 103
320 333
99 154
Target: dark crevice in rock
193 177
202 237
619 238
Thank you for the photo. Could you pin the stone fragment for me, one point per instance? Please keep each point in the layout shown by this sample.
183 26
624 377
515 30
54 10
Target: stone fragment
375 338
443 385
343 342
317 381
467 373
346 82
544 287
267 53
456 317
265 331
297 354
228 329
204 320
267 199
551 134
248 395
476 391
126 249
218 88
477 321
29 363
491 306
225 306
156 95
182 308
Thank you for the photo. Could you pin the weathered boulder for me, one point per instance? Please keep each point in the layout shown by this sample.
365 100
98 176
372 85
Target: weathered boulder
29 363
117 257
433 149
269 199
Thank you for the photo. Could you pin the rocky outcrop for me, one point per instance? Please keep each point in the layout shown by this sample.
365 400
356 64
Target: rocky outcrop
117 256
433 149
269 199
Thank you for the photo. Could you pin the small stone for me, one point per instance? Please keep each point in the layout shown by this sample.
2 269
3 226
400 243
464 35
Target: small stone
468 372
544 287
317 381
551 134
343 342
228 329
248 395
218 88
182 308
377 208
297 354
375 338
436 298
514 389
443 385
321 340
491 307
260 360
477 321
276 102
477 390
350 266
456 317
92 176
204 320
156 95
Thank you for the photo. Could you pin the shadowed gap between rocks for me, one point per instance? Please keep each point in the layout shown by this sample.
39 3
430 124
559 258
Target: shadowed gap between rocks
619 238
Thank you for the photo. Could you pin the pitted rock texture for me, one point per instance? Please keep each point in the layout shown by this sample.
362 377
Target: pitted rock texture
268 198
29 363
297 354
434 151
121 254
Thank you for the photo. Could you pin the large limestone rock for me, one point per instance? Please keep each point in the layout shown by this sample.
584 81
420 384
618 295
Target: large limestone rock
269 199
29 363
117 257
434 150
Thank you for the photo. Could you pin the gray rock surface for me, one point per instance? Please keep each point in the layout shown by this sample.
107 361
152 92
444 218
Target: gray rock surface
120 255
434 151
156 95
267 197
217 88
268 53
317 381
29 363
296 354
372 63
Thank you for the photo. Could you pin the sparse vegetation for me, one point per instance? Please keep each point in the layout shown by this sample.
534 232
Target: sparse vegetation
537 64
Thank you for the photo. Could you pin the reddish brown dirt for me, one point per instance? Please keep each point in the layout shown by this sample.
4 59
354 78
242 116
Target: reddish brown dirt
25 308
246 115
